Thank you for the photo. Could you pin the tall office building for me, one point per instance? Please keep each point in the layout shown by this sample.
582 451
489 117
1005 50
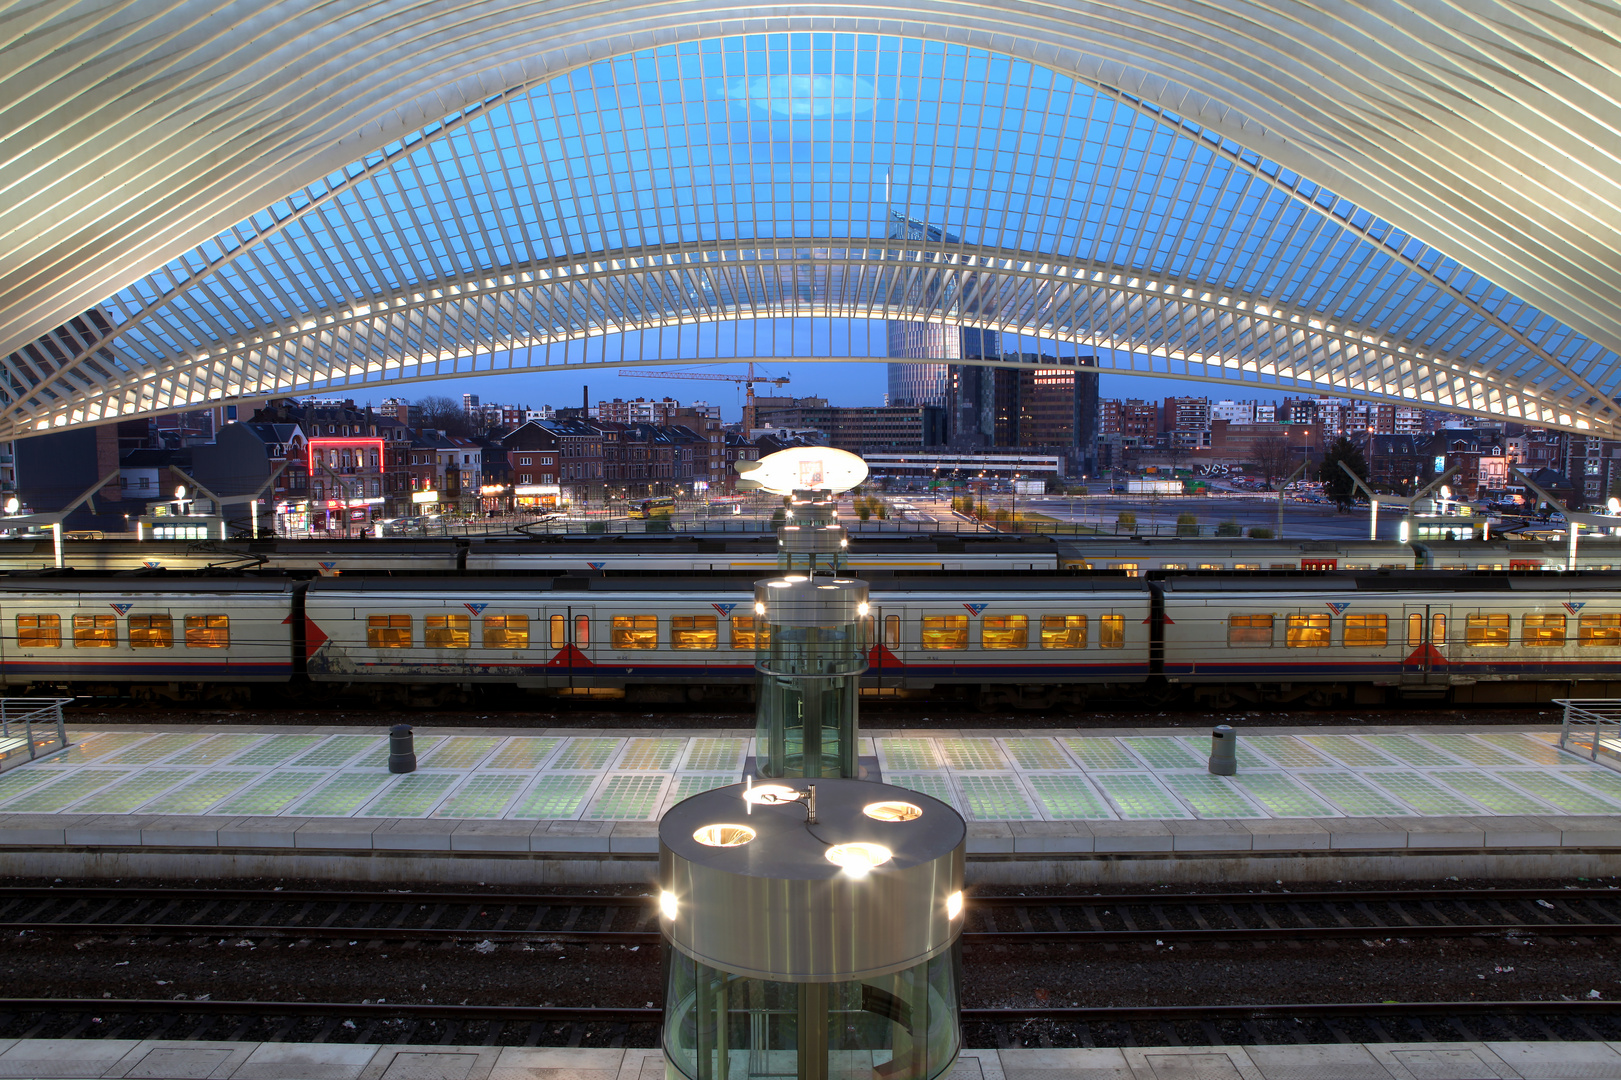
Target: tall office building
925 384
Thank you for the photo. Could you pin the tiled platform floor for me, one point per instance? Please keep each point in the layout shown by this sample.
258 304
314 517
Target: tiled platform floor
605 776
325 1061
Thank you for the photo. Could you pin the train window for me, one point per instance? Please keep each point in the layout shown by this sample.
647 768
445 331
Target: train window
447 631
1542 631
1366 631
1601 630
1112 632
1131 568
945 631
892 631
582 631
1249 629
1173 566
1283 566
869 632
1415 629
388 631
208 631
1357 566
1438 628
1307 631
151 632
39 631
1063 631
1486 630
1246 566
559 631
1004 632
95 631
694 632
634 632
1212 566
512 631
750 632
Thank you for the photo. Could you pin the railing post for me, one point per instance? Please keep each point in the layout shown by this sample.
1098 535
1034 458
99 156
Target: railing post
1564 727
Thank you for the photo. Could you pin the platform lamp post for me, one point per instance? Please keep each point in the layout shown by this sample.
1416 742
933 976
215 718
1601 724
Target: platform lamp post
1283 484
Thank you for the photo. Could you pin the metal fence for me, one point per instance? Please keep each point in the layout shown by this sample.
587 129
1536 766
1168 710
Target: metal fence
30 728
1594 713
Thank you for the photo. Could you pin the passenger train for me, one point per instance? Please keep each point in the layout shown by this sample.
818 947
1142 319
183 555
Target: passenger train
1033 640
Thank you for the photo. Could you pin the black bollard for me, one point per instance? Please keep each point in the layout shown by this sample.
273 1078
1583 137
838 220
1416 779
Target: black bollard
402 749
1223 751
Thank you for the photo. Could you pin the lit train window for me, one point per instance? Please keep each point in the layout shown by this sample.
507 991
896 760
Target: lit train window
1415 629
1004 632
1131 568
694 632
512 631
95 631
1307 632
750 632
151 632
388 631
945 631
634 632
1438 628
1246 566
1486 631
1212 566
559 628
1366 631
1599 630
1542 631
1112 632
892 631
208 631
582 631
39 631
1173 566
447 631
1249 629
1357 566
1063 631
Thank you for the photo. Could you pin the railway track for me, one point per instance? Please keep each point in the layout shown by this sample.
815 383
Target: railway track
496 1025
1151 920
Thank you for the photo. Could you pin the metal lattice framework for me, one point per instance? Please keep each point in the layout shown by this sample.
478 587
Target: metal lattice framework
736 196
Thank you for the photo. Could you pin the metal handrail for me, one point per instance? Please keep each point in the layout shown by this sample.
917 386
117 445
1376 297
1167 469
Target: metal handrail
1595 711
30 713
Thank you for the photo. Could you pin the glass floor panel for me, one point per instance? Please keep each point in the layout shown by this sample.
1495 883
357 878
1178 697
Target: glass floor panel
1287 751
1165 753
96 746
123 797
934 785
216 749
1411 751
1353 795
378 757
14 782
483 796
554 797
344 795
273 795
1472 750
1421 794
628 798
201 793
1136 795
68 789
154 750
340 750
689 784
1037 754
908 753
277 749
1347 749
1531 749
586 754
1282 796
651 754
1568 797
412 795
524 752
995 798
460 752
710 755
1211 796
972 754
1101 752
1068 798
1600 779
1494 795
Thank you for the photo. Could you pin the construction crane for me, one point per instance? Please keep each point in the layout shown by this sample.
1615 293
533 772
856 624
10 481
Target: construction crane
748 382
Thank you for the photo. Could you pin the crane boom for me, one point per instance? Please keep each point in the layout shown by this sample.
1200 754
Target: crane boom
748 382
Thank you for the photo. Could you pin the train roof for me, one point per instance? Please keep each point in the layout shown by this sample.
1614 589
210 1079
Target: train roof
936 582
861 543
144 583
1405 582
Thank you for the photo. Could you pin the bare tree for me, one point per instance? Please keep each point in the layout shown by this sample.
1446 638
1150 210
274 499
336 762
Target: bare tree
446 414
1274 456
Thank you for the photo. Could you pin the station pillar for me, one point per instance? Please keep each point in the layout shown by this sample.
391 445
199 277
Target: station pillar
811 649
811 929
811 540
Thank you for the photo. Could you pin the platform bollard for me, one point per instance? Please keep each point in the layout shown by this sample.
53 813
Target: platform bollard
402 749
1223 751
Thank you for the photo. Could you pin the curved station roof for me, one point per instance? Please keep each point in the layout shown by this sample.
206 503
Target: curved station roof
209 201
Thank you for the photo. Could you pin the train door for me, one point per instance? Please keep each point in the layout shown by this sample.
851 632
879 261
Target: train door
570 640
884 645
1426 627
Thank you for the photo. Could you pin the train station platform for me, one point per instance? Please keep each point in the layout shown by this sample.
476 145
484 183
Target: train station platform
96 1058
581 806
